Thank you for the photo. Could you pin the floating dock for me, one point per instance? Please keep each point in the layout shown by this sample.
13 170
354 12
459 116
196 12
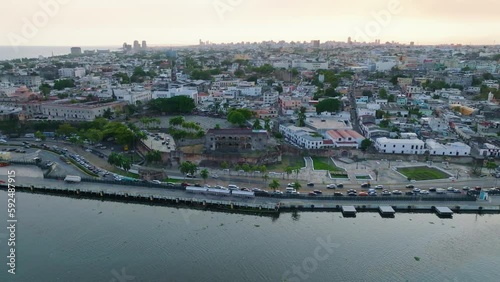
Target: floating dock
444 212
349 211
387 211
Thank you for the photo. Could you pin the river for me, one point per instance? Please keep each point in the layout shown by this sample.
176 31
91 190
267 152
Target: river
66 239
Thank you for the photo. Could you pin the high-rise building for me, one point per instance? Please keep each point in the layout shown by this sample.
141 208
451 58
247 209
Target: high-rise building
412 43
137 46
349 41
144 45
76 51
315 43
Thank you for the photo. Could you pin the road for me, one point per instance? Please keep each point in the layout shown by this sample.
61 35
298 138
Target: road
145 191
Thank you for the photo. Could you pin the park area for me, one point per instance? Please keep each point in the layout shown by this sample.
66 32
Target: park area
423 173
321 163
287 161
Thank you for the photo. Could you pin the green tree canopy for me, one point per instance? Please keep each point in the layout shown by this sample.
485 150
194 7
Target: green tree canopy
174 105
328 105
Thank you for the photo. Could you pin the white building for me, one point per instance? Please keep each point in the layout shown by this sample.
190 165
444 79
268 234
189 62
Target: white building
450 149
189 92
400 146
71 72
247 90
79 111
270 97
302 137
132 96
310 65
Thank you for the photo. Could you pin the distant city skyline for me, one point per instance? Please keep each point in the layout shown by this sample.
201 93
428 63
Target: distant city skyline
110 23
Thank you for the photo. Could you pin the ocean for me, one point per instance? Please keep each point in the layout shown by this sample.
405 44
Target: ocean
9 52
69 239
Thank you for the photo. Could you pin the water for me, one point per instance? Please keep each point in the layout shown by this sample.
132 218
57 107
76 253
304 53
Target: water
64 239
9 52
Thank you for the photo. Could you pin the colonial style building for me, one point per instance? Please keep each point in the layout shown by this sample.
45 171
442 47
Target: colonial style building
236 140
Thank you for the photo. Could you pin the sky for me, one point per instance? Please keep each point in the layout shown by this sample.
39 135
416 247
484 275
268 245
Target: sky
185 22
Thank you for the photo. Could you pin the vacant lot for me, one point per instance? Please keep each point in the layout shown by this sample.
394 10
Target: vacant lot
423 173
287 161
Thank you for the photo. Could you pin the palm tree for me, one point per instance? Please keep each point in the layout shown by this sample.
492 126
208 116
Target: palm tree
274 184
265 176
204 175
288 171
296 186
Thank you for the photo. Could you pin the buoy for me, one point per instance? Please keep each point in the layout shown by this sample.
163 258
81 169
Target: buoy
101 194
151 198
260 207
232 207
204 203
177 200
126 195
78 191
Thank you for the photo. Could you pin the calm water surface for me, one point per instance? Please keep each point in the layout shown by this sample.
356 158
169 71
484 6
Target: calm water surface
64 239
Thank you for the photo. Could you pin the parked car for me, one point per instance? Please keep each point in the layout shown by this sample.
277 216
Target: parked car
310 184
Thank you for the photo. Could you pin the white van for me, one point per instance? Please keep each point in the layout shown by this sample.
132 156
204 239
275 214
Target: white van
290 190
232 187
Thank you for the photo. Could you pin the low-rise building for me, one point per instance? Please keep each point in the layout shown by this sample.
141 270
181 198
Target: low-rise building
236 140
345 138
400 146
450 149
64 110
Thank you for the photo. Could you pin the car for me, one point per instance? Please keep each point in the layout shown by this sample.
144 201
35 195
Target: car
466 188
189 175
386 193
256 189
372 194
365 185
397 192
197 185
338 194
310 184
352 194
3 141
289 185
450 189
278 192
456 191
158 182
38 140
410 186
318 192
416 190
331 186
379 187
363 194
312 194
245 189
352 191
424 192
409 193
261 193
49 164
432 189
340 185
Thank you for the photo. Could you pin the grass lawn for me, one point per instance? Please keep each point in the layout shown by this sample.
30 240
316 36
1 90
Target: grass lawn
423 173
321 163
124 173
292 161
363 177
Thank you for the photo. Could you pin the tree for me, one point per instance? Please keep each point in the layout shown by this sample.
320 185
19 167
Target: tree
153 156
382 93
224 165
107 113
188 167
175 121
66 129
365 144
267 124
274 184
391 98
45 89
94 135
367 93
256 125
265 177
236 118
174 105
115 159
204 174
288 171
328 105
40 135
63 83
126 163
302 117
379 114
491 165
296 185
331 92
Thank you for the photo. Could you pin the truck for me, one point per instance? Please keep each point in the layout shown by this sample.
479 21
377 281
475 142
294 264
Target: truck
72 179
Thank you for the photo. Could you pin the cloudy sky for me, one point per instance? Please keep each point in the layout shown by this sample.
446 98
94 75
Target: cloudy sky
167 22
